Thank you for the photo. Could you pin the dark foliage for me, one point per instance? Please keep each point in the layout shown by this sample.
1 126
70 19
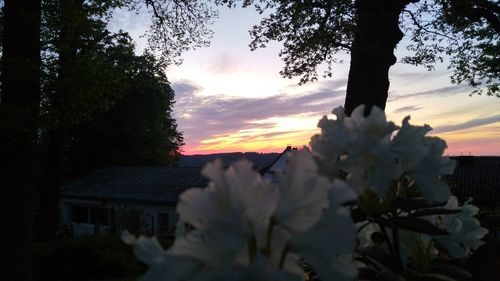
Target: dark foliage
92 257
138 128
101 103
19 110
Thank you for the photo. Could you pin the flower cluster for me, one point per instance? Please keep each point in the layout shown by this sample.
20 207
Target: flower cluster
368 190
464 229
464 233
371 155
244 228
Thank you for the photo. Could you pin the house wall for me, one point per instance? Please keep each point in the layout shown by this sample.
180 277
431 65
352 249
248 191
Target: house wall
489 216
278 166
150 218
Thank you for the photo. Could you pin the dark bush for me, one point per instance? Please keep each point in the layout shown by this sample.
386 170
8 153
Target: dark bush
92 257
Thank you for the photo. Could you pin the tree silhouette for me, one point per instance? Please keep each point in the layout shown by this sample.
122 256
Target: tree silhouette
64 89
86 73
19 110
77 83
138 128
313 32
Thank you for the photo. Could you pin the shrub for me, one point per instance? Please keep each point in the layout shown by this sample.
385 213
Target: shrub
91 257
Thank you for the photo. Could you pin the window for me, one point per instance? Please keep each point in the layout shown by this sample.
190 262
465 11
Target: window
188 227
80 214
100 216
163 219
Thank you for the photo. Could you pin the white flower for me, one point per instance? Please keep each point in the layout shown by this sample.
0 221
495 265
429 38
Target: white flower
230 198
261 269
370 164
330 243
242 228
235 207
216 248
464 229
334 137
408 144
162 265
303 197
303 194
427 173
421 157
374 126
360 147
465 233
369 159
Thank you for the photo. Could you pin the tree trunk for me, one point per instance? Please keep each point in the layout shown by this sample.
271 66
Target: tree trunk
19 111
48 220
47 223
372 52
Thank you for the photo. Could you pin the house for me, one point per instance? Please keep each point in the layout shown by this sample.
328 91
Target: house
278 165
142 199
115 198
259 160
478 177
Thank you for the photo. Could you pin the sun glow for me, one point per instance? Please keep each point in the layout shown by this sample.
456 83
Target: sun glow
285 131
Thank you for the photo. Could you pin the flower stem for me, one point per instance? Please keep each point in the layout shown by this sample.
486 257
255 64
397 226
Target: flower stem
282 258
269 235
252 248
395 238
387 239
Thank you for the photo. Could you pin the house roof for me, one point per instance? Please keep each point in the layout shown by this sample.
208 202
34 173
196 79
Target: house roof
259 160
153 184
279 162
477 177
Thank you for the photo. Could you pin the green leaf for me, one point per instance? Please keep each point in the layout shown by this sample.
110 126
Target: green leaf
451 271
388 275
377 238
434 211
413 224
433 277
369 203
366 274
358 215
412 204
380 258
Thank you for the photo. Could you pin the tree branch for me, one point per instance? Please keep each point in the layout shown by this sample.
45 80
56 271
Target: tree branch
155 11
421 27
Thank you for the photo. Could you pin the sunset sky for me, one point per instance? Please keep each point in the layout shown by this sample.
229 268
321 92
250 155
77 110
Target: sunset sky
231 99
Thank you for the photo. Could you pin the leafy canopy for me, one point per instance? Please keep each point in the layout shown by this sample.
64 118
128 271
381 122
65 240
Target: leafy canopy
314 32
138 127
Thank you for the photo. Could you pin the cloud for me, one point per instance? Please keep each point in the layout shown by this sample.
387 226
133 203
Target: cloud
335 84
407 108
275 134
419 75
185 87
202 117
468 125
444 91
222 63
